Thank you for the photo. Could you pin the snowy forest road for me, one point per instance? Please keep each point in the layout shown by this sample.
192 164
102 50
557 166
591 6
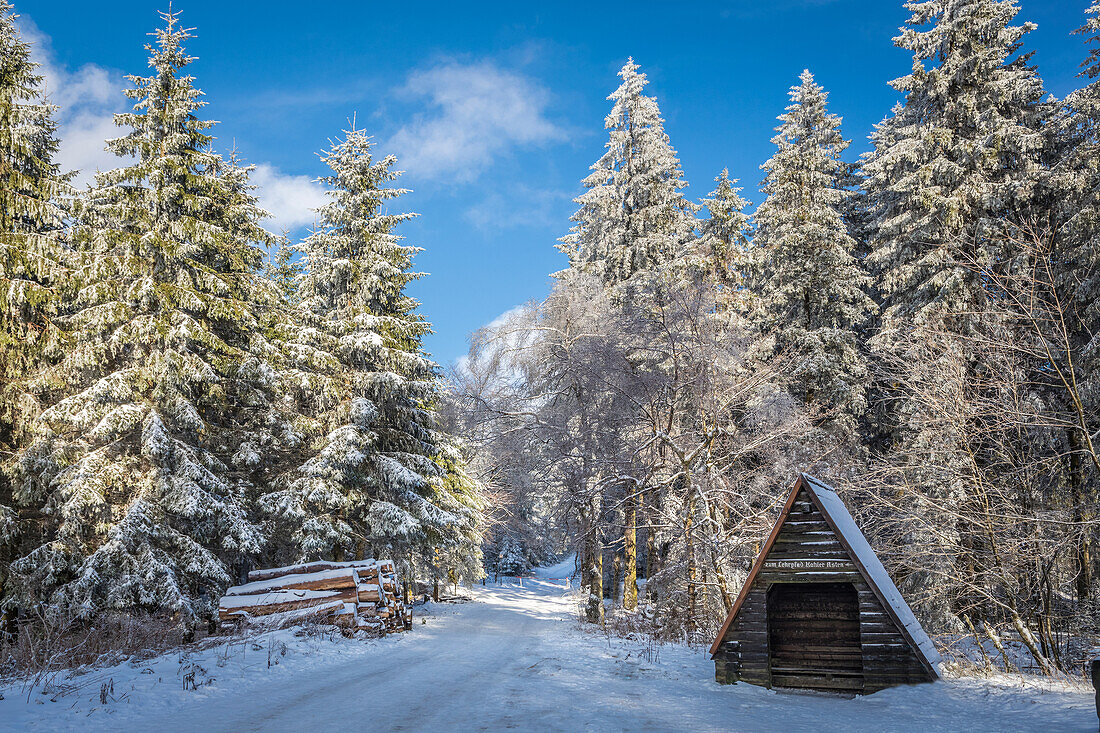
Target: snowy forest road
514 658
421 687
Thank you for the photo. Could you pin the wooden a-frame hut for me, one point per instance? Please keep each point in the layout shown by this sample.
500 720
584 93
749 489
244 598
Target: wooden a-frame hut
818 610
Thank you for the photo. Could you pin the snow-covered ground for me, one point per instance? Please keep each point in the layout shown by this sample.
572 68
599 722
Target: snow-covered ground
515 657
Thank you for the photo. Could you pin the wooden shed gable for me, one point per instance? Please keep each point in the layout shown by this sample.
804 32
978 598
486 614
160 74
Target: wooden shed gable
815 540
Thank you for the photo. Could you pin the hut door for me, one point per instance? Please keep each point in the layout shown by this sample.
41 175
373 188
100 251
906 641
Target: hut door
813 636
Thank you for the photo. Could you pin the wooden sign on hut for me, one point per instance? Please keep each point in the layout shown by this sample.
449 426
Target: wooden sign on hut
818 610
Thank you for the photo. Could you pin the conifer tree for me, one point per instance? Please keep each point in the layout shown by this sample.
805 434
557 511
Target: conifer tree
33 257
808 284
957 159
381 478
633 218
634 232
283 270
954 161
1075 177
961 152
1073 196
724 241
144 468
510 559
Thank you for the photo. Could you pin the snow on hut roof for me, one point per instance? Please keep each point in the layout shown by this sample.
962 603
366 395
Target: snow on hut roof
841 519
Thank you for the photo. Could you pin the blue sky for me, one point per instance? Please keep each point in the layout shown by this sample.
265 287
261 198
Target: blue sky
495 109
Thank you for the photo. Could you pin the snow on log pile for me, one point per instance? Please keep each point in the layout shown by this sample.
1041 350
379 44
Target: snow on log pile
360 594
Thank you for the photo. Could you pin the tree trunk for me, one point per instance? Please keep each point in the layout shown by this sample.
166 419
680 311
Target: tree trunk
1082 545
987 664
585 558
650 545
716 562
1029 641
616 575
692 571
996 639
593 611
594 608
630 553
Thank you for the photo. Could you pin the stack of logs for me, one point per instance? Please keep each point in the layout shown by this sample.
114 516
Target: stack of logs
360 594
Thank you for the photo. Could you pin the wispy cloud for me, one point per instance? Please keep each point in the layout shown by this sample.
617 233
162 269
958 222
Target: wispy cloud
522 206
479 112
89 97
500 340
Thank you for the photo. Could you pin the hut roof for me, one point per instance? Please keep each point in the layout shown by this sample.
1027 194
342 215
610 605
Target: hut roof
838 517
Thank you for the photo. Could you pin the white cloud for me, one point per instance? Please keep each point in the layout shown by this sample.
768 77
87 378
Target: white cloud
479 112
90 85
87 99
509 316
290 199
82 145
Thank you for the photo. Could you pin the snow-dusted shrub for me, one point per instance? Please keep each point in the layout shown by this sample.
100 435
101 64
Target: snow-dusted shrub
38 647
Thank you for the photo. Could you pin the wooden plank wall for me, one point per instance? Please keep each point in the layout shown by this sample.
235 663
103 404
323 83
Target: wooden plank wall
814 632
743 655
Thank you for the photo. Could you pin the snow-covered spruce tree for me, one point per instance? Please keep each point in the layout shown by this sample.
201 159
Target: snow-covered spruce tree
143 469
961 152
510 559
633 218
809 287
724 243
634 232
380 478
956 159
32 253
283 270
456 547
1075 187
1074 228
